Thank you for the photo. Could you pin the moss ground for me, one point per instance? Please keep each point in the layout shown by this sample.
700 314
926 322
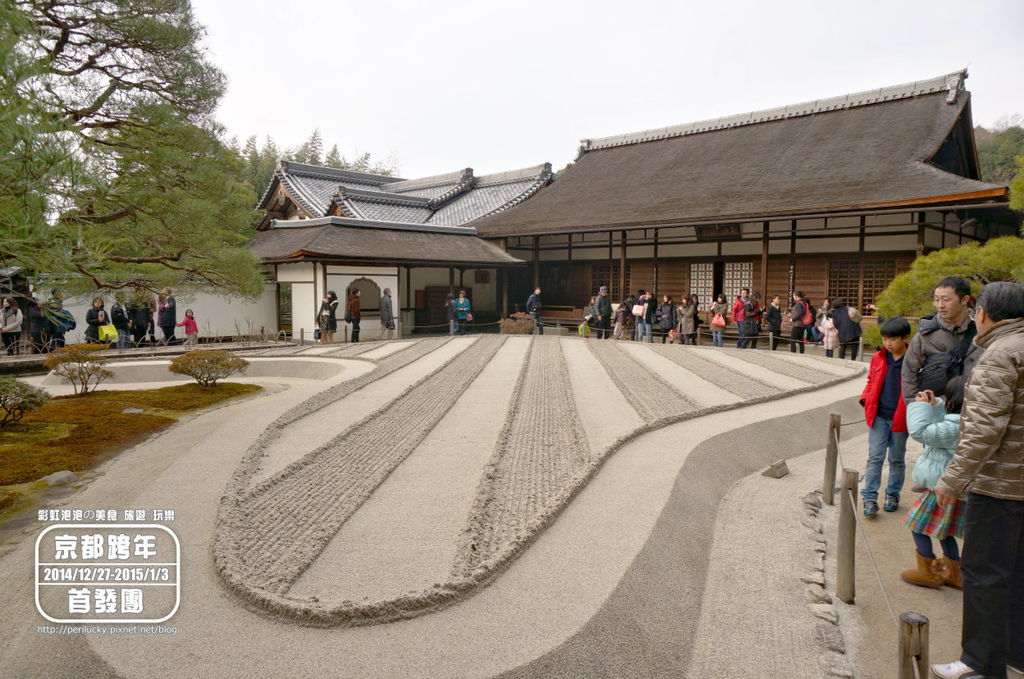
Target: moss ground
79 432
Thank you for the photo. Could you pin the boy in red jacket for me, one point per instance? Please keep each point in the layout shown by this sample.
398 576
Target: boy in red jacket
886 415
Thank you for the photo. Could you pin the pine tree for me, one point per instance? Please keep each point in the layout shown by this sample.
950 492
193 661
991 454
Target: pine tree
335 159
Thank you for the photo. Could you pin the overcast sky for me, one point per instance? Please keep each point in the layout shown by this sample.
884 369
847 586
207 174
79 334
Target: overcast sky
447 84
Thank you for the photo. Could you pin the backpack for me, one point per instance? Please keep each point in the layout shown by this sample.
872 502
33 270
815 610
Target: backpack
940 368
808 318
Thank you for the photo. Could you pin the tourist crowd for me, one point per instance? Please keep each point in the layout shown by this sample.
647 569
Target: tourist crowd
957 387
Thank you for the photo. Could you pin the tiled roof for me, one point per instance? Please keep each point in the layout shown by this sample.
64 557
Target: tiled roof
453 198
334 237
889 147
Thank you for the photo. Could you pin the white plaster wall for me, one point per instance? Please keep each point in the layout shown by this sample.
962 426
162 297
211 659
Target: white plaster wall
217 316
741 248
340 278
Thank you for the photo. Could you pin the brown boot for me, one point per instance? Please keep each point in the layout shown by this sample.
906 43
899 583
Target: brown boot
927 573
951 573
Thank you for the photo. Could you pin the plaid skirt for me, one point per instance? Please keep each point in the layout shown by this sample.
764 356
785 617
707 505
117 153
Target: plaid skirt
928 517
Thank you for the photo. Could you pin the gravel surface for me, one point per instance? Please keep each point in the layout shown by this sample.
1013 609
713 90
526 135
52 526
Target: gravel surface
743 387
805 373
652 396
271 535
541 455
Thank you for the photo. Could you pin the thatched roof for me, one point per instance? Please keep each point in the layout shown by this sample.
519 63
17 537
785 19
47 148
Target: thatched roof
906 145
350 239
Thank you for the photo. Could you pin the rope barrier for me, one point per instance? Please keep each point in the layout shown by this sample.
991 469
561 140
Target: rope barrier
874 564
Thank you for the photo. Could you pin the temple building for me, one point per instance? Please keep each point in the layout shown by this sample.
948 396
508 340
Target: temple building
833 197
328 229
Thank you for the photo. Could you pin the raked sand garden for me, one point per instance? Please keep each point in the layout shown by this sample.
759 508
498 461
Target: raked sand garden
434 507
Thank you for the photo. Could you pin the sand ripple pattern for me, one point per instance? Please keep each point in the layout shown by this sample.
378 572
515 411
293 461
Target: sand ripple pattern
783 367
651 396
541 457
741 385
278 529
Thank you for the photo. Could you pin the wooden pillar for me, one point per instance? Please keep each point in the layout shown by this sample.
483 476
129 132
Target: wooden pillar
536 262
792 258
409 301
861 237
920 234
764 261
462 277
451 279
569 255
503 279
622 265
656 260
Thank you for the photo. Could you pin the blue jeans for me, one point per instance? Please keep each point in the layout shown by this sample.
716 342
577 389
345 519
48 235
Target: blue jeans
538 326
124 338
644 329
882 439
716 338
453 327
741 328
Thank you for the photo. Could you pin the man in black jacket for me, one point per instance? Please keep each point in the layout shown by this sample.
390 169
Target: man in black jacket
773 319
534 306
604 313
944 331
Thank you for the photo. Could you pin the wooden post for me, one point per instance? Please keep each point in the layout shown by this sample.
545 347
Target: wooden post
536 262
846 562
302 335
828 484
622 267
913 646
764 260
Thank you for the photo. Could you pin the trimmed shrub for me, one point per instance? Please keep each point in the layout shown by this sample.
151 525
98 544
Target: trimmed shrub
208 366
518 323
17 398
80 364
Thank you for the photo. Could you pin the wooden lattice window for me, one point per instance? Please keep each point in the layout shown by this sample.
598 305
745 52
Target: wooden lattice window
738 275
607 273
844 280
702 281
878 274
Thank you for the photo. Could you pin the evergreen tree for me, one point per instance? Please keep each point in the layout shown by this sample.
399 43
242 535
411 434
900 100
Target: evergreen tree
112 170
334 158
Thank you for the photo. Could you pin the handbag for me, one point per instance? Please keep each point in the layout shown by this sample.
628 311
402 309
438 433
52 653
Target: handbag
718 321
638 309
469 316
316 333
107 332
939 369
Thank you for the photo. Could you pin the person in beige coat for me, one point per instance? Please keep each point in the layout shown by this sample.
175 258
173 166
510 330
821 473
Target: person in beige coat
988 469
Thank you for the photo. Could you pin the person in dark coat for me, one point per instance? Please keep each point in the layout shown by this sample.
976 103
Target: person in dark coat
534 305
167 315
119 317
449 313
666 316
604 313
801 308
94 318
140 316
354 314
38 325
327 317
752 313
773 319
849 331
